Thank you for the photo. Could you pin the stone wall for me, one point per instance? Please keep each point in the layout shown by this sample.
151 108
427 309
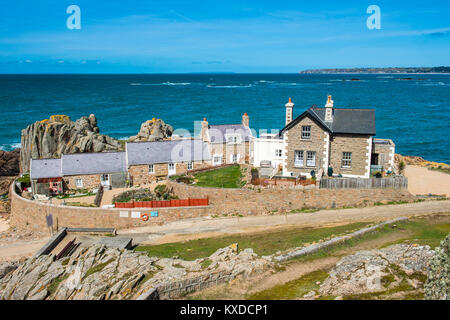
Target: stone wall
90 181
226 150
140 173
31 214
259 201
386 154
294 142
358 146
281 200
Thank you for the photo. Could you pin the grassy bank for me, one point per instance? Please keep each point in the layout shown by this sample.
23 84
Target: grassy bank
263 243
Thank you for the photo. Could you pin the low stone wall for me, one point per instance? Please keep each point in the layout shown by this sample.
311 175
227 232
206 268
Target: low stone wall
176 289
31 215
282 200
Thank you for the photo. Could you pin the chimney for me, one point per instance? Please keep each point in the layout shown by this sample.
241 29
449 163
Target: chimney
329 110
245 119
289 110
204 133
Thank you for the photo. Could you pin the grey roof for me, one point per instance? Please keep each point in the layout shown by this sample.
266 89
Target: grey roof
167 151
350 121
92 163
217 132
45 168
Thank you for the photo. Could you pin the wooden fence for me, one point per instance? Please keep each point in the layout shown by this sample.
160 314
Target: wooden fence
163 203
396 182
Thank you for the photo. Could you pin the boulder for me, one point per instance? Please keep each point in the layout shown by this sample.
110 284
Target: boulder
376 270
437 286
50 138
153 130
9 162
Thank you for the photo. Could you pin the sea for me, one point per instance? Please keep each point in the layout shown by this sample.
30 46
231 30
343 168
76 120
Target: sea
411 109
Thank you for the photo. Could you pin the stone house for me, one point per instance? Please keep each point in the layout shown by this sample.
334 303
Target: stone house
141 163
323 138
150 161
229 143
78 171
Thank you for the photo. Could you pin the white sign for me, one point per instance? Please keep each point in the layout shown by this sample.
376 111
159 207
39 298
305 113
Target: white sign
124 214
136 214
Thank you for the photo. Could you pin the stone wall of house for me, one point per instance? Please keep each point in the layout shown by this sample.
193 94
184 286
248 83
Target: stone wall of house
386 153
29 214
294 142
226 150
140 173
281 200
90 181
358 146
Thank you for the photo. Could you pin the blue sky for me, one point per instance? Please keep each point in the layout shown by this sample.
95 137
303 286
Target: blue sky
220 36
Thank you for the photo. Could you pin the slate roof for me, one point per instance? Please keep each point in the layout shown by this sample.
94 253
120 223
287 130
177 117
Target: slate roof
45 168
92 163
167 151
217 132
349 121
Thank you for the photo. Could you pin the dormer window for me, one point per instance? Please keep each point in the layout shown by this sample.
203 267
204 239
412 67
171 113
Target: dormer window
306 132
233 138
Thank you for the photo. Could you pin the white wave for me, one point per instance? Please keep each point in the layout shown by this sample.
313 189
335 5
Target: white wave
244 86
160 84
10 146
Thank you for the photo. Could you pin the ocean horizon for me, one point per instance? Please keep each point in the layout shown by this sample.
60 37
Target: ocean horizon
413 113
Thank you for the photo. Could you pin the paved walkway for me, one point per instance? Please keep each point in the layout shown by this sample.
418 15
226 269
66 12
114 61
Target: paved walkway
209 227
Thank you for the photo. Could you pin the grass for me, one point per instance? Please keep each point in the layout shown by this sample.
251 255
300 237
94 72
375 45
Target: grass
55 283
228 177
80 204
97 268
292 289
263 243
440 169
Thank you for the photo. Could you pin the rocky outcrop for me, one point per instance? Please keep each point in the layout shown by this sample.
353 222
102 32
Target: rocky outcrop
50 138
97 272
419 161
9 162
153 130
400 265
437 286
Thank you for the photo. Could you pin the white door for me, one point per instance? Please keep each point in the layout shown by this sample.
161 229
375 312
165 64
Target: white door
171 169
104 180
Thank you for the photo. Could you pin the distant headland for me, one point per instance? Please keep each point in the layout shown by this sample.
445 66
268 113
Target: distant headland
380 70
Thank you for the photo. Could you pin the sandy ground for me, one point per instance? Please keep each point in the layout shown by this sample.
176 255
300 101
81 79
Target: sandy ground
424 181
203 227
3 225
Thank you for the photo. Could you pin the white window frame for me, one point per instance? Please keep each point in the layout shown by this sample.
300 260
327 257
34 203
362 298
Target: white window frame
151 168
306 132
234 158
299 159
310 158
217 163
171 172
233 138
346 159
190 165
278 153
79 183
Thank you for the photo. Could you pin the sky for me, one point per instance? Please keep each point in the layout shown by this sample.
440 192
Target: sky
220 36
